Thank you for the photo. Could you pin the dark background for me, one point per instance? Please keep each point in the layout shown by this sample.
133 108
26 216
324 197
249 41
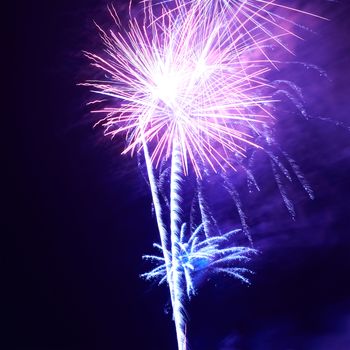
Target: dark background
81 216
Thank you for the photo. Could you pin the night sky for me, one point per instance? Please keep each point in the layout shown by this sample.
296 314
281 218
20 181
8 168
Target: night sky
81 217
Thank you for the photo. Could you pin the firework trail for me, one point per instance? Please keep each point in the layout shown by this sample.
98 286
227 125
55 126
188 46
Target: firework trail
189 89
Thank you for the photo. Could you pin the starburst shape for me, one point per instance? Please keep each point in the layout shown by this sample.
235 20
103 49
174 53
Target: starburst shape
198 257
185 79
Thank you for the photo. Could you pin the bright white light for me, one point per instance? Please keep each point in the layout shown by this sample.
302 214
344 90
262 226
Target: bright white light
166 88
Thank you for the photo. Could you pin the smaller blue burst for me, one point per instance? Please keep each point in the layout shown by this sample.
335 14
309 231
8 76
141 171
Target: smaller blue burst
198 257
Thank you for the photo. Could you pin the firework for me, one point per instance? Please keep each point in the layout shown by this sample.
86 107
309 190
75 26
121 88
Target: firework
181 80
199 256
187 85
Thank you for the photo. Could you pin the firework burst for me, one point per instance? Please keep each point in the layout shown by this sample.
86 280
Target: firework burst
188 82
183 79
200 257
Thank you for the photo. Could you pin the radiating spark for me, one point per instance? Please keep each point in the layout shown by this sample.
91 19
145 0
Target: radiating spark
199 256
186 79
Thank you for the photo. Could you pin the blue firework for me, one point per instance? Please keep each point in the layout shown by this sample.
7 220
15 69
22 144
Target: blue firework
199 257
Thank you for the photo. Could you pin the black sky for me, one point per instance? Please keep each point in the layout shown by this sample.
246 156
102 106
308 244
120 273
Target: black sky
81 216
